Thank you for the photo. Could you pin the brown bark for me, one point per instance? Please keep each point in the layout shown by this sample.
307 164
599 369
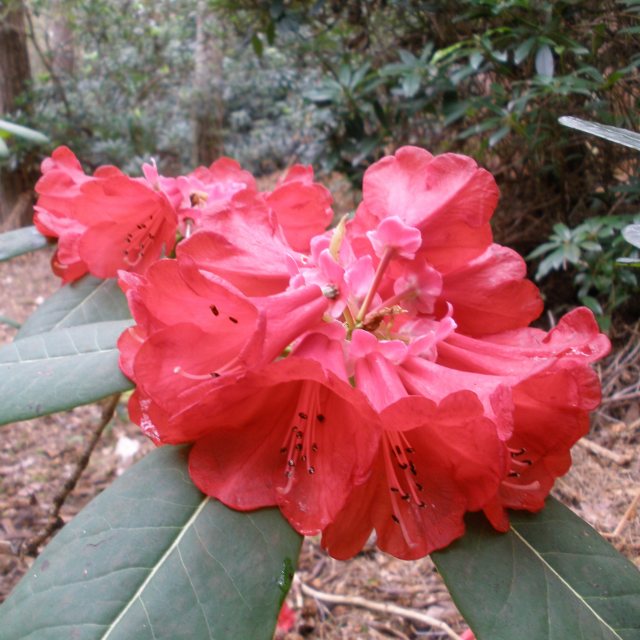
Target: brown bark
208 108
16 184
61 40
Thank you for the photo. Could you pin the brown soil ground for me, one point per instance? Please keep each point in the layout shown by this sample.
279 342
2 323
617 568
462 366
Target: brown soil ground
38 456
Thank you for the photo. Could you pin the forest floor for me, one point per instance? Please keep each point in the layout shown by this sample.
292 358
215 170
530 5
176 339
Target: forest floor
37 457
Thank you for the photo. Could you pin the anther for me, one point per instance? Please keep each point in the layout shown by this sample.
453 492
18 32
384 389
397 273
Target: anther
314 447
518 452
214 310
395 518
234 320
514 474
320 418
291 462
283 450
403 465
398 450
410 450
311 470
394 489
303 416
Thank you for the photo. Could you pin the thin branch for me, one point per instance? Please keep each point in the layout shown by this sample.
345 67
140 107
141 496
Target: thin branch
628 514
44 58
381 607
620 397
598 449
55 522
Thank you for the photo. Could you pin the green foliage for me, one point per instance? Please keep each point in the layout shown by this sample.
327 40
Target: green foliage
550 576
8 129
60 369
590 251
152 557
15 243
486 77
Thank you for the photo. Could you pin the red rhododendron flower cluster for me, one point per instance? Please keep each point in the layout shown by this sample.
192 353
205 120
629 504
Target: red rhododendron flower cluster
378 376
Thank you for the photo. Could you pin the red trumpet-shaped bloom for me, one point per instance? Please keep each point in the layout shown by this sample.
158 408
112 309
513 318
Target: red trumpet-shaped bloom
377 377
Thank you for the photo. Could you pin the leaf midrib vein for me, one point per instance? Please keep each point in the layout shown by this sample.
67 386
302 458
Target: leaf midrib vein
156 568
553 571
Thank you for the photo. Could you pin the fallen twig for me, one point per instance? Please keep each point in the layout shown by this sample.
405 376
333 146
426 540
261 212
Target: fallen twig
628 514
598 449
382 607
620 397
55 522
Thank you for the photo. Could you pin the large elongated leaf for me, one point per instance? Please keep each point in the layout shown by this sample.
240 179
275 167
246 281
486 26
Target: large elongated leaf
59 370
551 577
83 302
152 558
23 132
614 134
15 243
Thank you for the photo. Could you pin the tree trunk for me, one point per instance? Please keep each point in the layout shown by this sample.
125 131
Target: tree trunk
61 41
16 183
208 108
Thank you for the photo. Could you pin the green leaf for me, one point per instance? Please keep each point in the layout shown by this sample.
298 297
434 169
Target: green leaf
60 369
629 262
551 577
257 45
614 134
86 301
23 132
631 233
152 558
15 243
544 61
411 84
523 50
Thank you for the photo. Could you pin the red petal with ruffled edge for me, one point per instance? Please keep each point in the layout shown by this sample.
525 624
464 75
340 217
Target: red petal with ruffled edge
434 463
491 294
299 438
242 244
131 226
302 206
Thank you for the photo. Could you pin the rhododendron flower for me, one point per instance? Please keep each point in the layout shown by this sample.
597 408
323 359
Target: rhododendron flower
380 376
105 222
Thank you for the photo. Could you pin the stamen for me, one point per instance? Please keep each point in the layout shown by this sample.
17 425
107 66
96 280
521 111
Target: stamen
192 376
299 442
532 486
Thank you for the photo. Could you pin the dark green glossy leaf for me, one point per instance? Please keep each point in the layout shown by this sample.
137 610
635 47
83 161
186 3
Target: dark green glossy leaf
614 134
83 302
15 243
551 577
151 558
59 370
